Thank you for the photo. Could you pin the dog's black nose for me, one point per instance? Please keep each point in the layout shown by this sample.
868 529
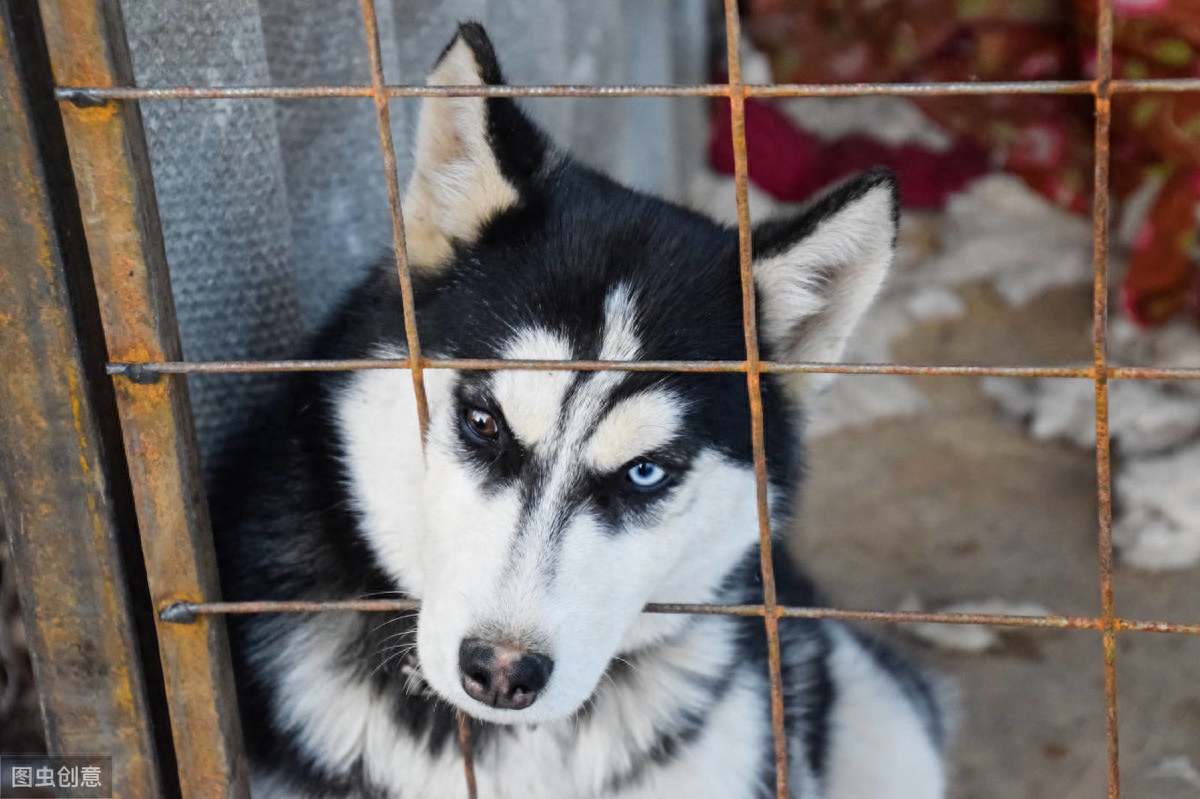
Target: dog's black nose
502 675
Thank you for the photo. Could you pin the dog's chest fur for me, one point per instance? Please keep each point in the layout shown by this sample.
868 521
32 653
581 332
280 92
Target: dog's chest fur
688 718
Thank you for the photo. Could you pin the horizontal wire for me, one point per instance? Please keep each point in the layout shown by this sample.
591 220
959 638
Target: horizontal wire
1153 373
92 95
87 94
186 612
148 370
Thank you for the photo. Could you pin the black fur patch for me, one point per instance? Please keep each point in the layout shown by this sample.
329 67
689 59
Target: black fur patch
520 147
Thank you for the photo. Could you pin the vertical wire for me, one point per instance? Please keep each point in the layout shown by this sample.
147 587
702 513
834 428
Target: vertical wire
468 753
384 118
1103 104
386 143
737 101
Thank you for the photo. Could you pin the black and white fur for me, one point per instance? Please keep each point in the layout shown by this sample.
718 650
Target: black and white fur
537 538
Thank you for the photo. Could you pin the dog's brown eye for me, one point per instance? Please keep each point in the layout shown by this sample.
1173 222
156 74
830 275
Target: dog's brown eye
481 424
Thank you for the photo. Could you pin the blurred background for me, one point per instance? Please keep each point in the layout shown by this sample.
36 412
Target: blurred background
934 493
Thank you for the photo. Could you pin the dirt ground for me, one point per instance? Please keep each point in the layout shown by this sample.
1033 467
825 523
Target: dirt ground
961 504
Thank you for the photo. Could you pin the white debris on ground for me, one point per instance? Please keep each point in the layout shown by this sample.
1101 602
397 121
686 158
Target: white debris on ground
895 121
1172 777
1000 231
890 120
1155 430
1175 769
969 638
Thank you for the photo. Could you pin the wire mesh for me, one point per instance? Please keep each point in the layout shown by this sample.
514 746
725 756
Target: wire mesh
1101 89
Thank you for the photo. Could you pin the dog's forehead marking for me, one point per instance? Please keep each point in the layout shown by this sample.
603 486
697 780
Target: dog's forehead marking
559 426
532 401
535 403
620 342
635 426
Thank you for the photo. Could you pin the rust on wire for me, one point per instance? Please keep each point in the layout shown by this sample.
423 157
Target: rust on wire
186 613
146 372
90 94
182 367
468 752
1144 85
1103 104
737 106
384 118
1153 373
942 89
86 43
98 95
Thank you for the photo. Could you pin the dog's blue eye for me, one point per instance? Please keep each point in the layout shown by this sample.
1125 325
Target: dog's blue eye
646 476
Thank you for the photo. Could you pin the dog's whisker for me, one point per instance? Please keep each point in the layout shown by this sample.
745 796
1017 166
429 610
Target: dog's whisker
402 651
634 667
378 627
394 636
384 594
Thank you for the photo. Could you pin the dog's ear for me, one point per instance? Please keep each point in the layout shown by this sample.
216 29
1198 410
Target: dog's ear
475 157
816 273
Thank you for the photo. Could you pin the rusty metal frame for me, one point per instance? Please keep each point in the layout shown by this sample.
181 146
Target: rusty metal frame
96 95
65 507
86 42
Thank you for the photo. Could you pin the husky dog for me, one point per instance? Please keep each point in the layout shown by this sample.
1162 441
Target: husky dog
543 509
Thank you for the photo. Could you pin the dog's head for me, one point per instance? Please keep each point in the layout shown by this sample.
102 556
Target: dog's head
550 506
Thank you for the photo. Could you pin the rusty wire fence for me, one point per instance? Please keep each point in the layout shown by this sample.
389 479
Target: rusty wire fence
100 116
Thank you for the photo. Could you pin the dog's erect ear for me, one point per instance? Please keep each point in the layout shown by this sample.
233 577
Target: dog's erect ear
816 273
475 157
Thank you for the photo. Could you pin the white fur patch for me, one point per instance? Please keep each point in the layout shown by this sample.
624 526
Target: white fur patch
620 342
457 184
878 743
377 419
340 721
532 401
727 759
635 425
814 293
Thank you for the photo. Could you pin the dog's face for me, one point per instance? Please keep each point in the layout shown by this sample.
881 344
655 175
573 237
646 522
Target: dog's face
550 507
